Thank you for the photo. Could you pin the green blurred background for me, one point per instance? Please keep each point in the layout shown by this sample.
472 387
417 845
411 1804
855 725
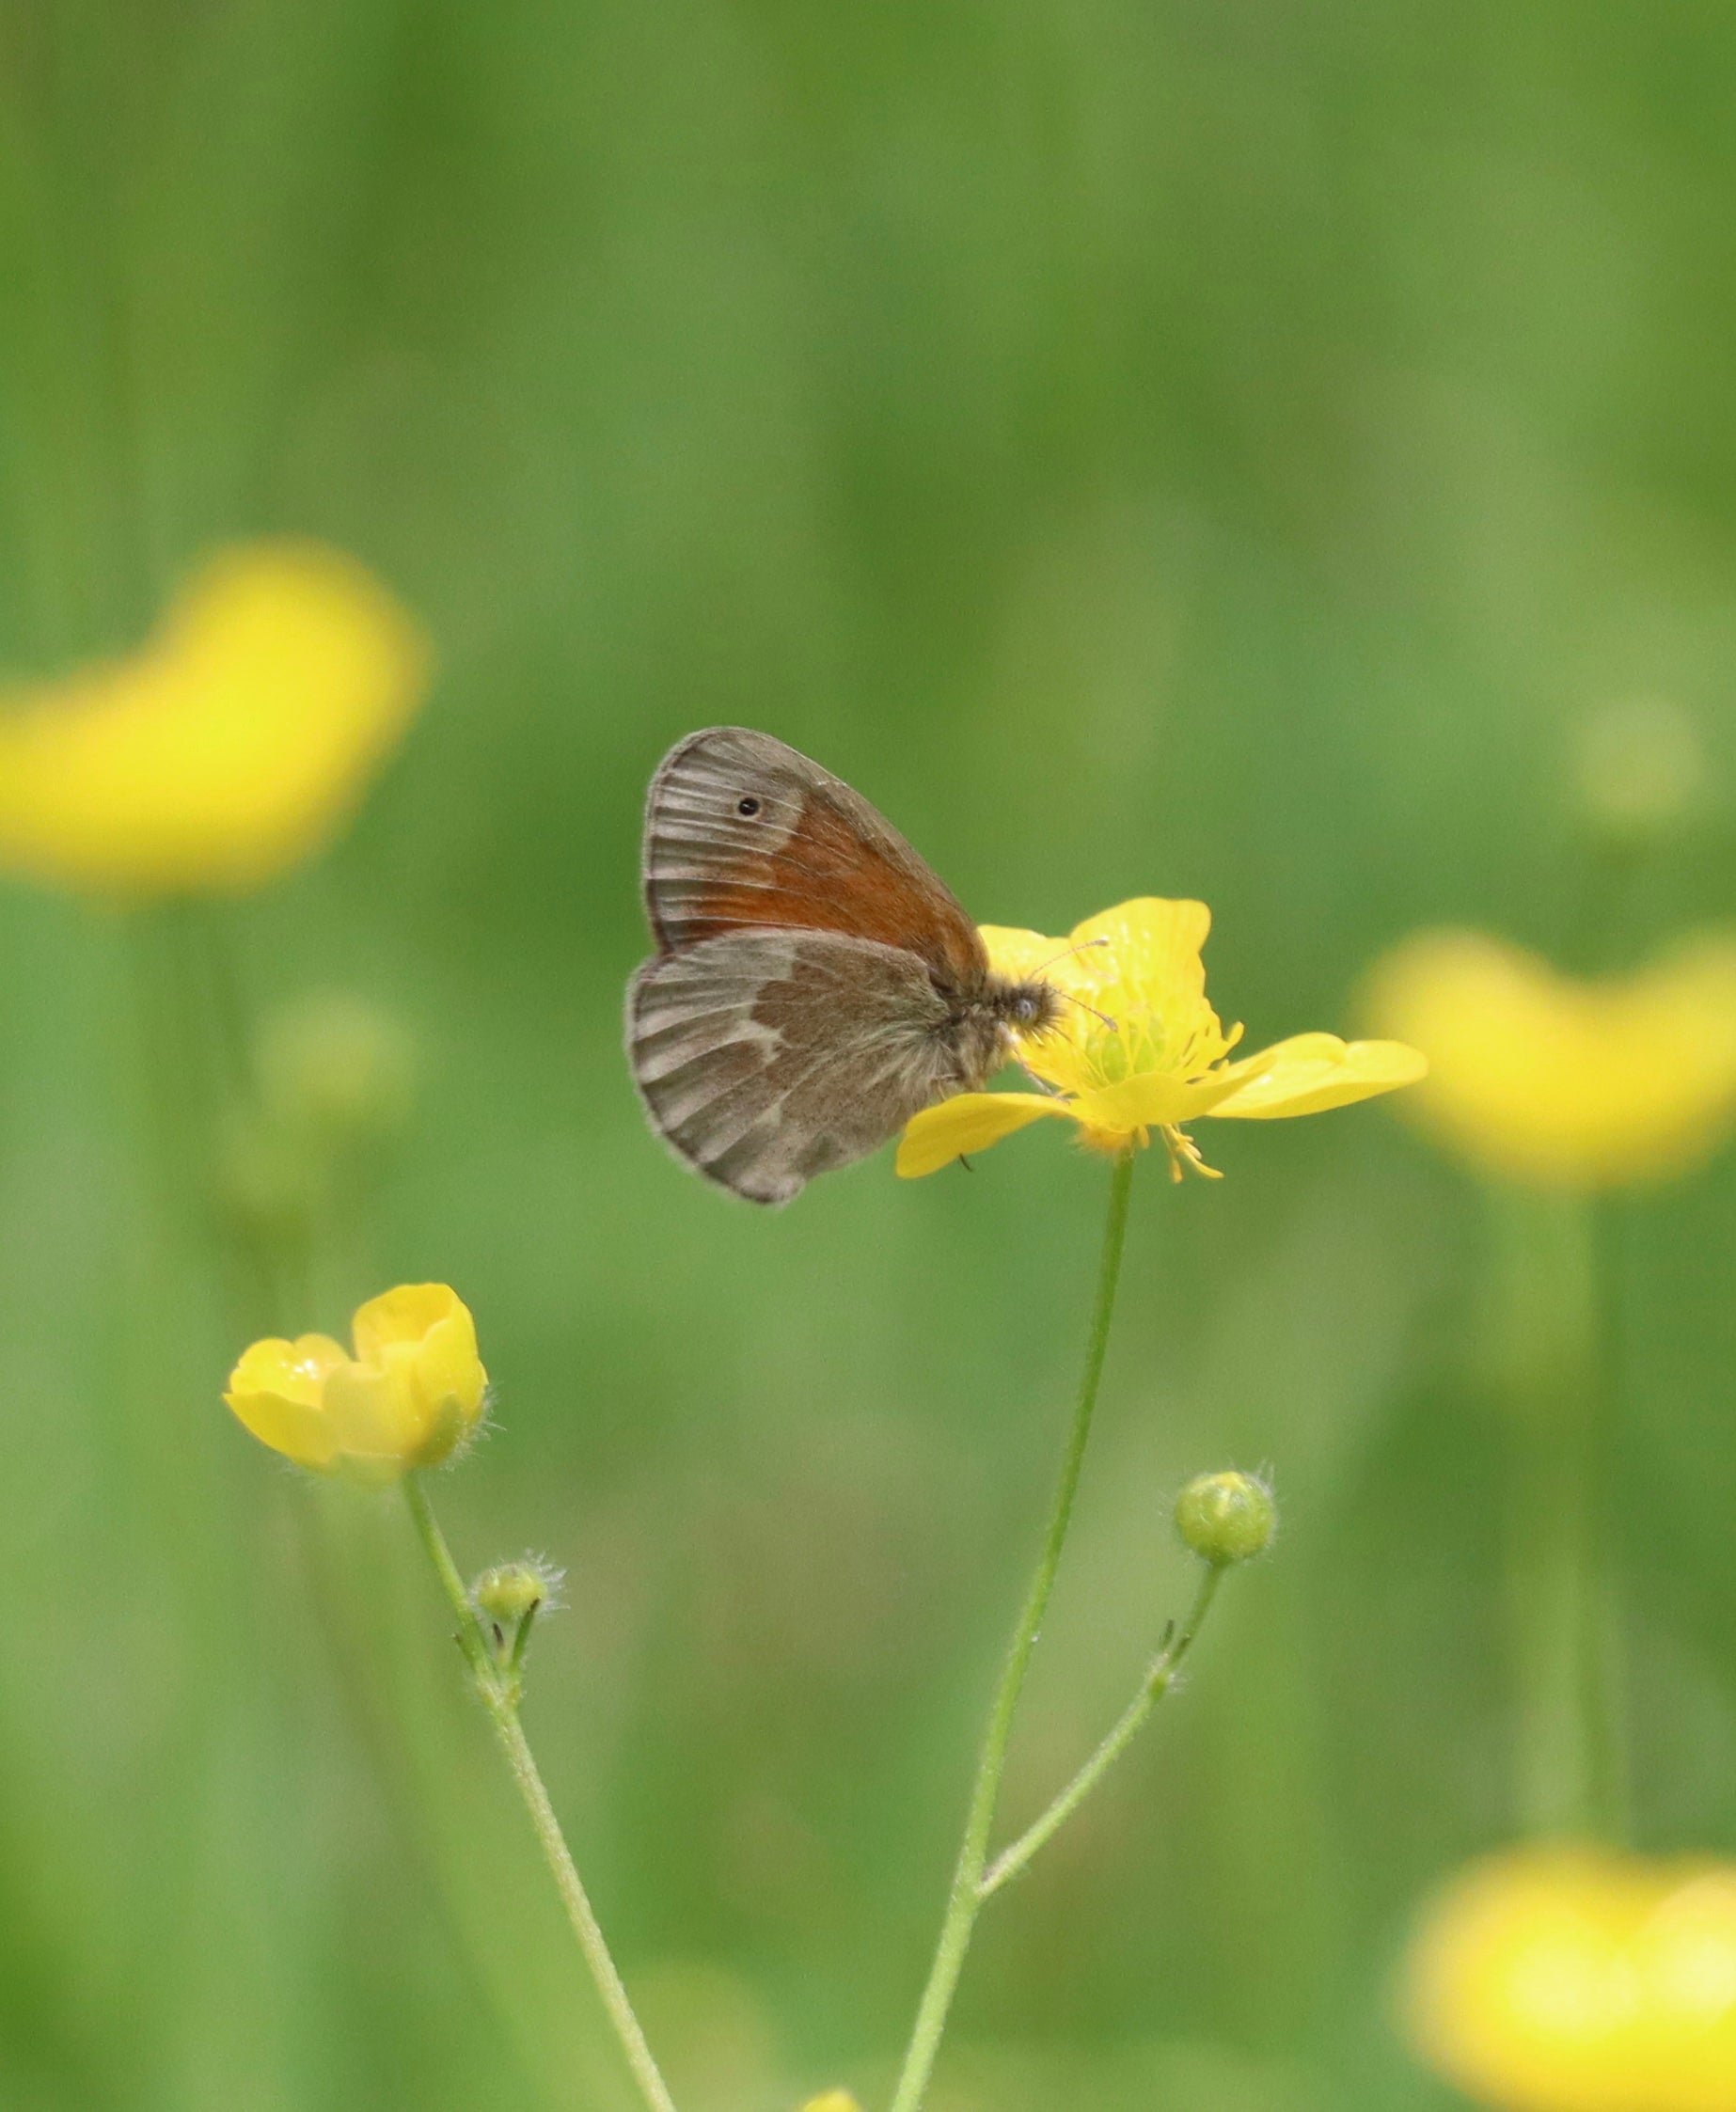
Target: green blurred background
1149 446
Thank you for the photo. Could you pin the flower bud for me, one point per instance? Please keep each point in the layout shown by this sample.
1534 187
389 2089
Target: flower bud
1639 769
335 1065
508 1592
1226 1518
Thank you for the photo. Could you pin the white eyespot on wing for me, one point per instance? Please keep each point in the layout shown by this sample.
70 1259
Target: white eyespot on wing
765 1058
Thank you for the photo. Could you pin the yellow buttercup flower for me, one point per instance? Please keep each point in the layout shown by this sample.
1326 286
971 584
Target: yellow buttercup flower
1557 1083
1139 1048
409 1396
227 746
1566 1979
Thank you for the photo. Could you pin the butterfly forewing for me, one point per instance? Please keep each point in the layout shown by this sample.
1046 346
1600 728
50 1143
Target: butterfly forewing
766 1057
744 833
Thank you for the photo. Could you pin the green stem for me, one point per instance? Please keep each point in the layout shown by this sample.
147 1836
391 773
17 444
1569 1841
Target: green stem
1155 1685
205 938
503 1714
1567 1734
471 1639
965 1899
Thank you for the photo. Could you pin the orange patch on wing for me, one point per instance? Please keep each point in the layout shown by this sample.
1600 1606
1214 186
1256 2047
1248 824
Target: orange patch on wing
826 877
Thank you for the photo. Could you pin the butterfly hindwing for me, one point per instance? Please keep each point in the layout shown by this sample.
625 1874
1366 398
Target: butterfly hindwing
766 1057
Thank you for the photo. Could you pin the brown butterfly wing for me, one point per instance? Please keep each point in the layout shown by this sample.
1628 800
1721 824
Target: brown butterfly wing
809 855
766 1057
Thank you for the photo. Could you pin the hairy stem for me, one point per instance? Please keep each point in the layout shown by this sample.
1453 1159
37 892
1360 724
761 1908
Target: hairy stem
503 1714
1568 1733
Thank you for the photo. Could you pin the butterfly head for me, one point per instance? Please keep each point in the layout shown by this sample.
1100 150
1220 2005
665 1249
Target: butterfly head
989 1020
1029 1007
1020 1010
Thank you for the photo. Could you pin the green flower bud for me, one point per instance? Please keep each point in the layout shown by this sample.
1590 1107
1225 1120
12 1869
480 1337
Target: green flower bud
337 1067
506 1594
1640 770
1226 1518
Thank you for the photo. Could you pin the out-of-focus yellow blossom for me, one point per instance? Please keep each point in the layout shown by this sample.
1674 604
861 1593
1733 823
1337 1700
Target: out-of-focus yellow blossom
1139 1048
1568 1979
409 1397
229 745
1558 1084
833 2101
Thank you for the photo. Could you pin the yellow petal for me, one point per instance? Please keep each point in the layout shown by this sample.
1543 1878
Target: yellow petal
969 1122
289 1427
1565 1979
406 1315
229 745
423 1336
1152 1102
448 1367
1559 1082
1149 936
296 1369
1017 955
1684 1959
1310 1073
378 1423
833 2100
276 1392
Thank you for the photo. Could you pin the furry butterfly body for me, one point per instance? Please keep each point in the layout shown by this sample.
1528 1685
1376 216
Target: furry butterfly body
816 983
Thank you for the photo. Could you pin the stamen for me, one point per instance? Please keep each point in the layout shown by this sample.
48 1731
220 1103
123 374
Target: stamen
1184 1154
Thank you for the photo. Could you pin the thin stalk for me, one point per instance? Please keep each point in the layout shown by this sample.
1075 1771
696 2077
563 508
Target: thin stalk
1567 1734
503 1714
1155 1685
472 1641
964 1898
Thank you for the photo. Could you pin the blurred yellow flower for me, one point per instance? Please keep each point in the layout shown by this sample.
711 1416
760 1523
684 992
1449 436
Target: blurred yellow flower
833 2101
409 1397
1140 1048
229 745
1565 1979
1566 1085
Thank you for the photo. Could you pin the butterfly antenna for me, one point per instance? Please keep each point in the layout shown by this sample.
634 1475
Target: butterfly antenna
1067 952
1102 1017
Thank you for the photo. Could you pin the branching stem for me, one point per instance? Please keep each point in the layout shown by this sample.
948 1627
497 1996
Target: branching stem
1152 1689
499 1701
964 1898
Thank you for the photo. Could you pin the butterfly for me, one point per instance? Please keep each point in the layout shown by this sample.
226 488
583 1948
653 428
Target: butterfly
815 983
